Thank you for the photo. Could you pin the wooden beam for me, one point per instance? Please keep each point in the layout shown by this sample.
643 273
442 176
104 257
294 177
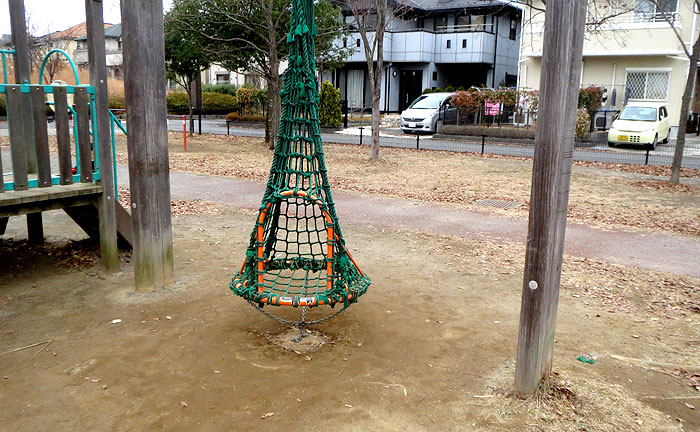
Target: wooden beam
147 142
98 78
82 111
551 177
41 136
65 162
23 72
17 142
35 228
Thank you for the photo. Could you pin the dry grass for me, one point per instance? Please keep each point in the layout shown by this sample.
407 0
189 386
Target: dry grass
605 198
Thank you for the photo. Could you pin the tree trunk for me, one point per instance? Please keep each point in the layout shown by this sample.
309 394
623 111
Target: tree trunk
273 93
685 108
376 75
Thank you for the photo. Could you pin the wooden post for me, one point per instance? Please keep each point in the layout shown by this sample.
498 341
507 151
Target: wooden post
60 107
147 142
17 144
98 78
559 86
41 136
23 72
82 112
35 228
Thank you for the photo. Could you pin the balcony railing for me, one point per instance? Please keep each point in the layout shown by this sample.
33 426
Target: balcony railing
463 28
638 17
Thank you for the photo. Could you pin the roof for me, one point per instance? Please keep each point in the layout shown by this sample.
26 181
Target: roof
112 31
437 5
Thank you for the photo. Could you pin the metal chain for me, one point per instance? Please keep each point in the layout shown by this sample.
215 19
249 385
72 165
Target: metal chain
303 322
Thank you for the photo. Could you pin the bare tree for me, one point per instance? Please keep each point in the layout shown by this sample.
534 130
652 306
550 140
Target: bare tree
693 54
371 20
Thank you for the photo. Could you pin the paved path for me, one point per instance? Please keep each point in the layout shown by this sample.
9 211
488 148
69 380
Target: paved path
669 253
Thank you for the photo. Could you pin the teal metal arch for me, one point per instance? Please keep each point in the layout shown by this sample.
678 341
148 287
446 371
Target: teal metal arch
70 61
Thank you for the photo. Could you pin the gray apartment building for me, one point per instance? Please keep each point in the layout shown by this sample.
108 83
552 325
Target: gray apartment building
431 44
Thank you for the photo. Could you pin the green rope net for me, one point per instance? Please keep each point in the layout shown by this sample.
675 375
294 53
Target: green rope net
297 255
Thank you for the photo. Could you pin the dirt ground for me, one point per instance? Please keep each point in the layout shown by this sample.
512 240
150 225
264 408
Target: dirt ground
607 196
430 347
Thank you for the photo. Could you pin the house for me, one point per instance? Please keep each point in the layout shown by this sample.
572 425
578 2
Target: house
431 44
113 51
64 39
217 74
635 54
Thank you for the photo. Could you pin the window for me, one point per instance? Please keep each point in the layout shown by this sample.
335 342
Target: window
119 45
647 85
345 42
358 43
654 10
464 43
449 44
463 22
420 24
222 77
478 23
440 23
434 75
513 29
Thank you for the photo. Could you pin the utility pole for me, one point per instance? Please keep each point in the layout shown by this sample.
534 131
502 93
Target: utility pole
551 178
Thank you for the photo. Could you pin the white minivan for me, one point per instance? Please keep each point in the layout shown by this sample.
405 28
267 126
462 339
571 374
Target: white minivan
640 123
425 112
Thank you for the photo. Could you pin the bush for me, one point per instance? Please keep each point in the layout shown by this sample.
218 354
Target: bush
449 89
330 110
116 103
428 91
229 89
178 102
3 106
218 103
583 124
590 98
235 117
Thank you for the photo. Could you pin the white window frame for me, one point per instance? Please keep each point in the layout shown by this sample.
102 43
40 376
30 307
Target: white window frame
650 70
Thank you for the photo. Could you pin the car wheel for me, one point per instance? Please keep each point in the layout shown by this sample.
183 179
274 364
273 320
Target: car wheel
611 144
652 146
665 141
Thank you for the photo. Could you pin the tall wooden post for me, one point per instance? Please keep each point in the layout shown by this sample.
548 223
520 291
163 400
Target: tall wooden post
23 72
554 145
98 78
144 64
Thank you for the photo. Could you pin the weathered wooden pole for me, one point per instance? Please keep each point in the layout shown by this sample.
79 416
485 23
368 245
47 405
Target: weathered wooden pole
98 78
147 142
23 75
551 177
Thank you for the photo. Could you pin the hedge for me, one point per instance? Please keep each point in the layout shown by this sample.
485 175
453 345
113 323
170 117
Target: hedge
212 103
235 117
3 107
330 111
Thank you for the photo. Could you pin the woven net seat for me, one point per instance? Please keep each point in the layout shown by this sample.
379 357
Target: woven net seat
297 255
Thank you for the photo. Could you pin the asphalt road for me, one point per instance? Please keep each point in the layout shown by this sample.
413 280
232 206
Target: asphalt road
663 155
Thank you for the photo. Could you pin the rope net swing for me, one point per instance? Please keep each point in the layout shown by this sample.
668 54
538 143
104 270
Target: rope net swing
297 255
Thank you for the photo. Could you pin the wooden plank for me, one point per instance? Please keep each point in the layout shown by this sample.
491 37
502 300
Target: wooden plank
65 162
82 111
149 177
35 228
43 206
17 141
124 225
3 224
98 78
554 144
41 136
86 217
22 66
50 193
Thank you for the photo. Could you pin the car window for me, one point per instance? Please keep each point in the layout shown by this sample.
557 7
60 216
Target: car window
664 112
634 113
426 102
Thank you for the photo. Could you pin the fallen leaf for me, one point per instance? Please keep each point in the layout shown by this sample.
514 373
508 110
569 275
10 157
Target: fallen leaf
266 415
183 404
692 407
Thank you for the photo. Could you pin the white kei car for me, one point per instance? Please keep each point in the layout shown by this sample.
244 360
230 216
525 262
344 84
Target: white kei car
644 124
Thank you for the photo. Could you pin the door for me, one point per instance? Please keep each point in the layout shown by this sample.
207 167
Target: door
666 121
449 112
410 87
356 89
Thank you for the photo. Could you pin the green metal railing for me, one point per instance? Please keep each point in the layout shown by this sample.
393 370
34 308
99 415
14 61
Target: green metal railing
3 53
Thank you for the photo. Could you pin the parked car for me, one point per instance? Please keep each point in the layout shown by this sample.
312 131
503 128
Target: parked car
426 111
644 124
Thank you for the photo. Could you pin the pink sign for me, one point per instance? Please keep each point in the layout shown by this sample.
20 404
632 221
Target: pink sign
492 108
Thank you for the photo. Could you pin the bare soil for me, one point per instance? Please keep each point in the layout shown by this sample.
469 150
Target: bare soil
640 200
429 348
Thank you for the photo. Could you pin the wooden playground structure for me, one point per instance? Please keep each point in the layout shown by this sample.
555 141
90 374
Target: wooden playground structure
80 177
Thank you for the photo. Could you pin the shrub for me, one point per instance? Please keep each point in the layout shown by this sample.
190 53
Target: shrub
590 98
330 111
235 117
583 124
178 102
428 91
116 103
3 107
229 89
218 103
449 89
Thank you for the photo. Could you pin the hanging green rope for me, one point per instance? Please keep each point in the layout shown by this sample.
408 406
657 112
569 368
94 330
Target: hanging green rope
297 254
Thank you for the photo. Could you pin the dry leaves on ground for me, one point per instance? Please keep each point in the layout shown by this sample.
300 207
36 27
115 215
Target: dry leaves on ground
178 207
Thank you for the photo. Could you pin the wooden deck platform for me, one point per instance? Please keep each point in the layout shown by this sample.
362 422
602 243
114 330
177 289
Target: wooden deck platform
15 203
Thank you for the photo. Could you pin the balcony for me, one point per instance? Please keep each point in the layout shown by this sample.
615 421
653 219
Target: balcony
467 44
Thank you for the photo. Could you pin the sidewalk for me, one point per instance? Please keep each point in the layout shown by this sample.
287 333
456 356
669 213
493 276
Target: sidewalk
659 252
